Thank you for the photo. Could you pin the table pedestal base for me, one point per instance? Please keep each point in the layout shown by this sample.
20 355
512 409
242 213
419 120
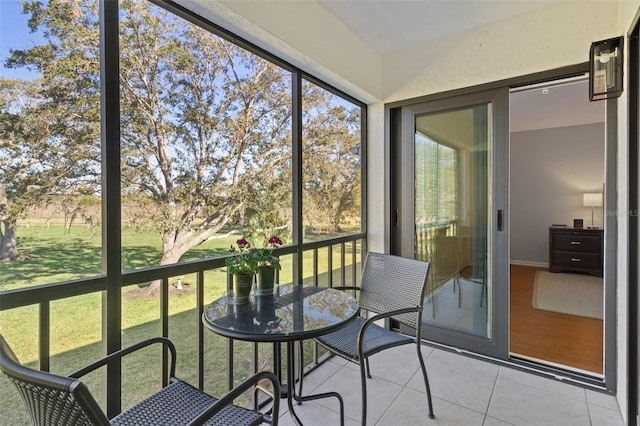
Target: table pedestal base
290 392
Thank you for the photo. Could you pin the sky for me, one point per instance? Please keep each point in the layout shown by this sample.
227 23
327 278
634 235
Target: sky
14 34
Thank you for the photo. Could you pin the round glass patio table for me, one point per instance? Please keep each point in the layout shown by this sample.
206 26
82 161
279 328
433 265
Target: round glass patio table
291 314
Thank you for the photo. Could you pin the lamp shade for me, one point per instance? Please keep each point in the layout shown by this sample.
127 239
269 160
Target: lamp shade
592 199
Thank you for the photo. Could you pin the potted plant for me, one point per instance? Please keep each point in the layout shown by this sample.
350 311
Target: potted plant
243 267
267 265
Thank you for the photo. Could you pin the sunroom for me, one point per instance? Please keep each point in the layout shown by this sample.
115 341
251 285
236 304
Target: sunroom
142 141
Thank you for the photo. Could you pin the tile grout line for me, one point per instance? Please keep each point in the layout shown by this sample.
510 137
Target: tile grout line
586 398
493 388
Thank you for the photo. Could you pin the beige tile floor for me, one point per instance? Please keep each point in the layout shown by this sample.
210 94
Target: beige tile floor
465 391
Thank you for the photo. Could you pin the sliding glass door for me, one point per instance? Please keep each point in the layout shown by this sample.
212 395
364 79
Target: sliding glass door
452 171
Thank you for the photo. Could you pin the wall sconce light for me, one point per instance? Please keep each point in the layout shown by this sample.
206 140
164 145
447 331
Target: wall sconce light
605 69
592 200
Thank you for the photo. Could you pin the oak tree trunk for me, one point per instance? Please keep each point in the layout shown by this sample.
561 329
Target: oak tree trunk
8 245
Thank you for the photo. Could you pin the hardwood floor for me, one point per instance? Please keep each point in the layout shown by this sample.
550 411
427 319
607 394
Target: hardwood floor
558 338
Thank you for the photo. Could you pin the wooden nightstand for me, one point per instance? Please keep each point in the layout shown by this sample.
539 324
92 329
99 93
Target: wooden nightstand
576 250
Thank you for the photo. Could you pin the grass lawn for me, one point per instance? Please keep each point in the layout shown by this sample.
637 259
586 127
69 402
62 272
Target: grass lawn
51 255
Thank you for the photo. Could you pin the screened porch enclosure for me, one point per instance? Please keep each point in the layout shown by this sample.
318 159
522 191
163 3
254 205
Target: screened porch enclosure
162 139
144 166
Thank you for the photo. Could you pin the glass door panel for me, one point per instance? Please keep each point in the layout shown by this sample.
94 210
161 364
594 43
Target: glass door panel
450 197
452 202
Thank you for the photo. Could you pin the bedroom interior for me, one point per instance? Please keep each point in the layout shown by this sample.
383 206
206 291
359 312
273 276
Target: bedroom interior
557 173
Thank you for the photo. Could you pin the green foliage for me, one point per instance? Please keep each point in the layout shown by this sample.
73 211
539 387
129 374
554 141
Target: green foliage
331 163
251 258
245 262
206 128
202 120
50 134
264 255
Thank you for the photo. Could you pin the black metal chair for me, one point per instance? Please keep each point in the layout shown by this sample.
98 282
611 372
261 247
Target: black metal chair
391 287
59 400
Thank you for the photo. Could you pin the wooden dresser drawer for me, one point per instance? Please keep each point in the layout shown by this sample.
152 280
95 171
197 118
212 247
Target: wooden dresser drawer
576 250
581 243
576 260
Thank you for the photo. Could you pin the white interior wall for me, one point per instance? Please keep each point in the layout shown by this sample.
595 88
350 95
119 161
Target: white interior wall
550 37
505 49
512 48
627 12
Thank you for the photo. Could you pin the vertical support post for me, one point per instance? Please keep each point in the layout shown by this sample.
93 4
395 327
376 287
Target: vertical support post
354 262
44 338
199 312
343 262
111 212
610 266
164 327
298 178
315 345
364 175
315 267
229 342
330 266
230 364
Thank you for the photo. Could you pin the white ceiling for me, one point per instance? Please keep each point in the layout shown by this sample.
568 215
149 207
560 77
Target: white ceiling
566 103
392 25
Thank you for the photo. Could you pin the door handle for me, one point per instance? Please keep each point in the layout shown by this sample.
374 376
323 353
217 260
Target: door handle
500 220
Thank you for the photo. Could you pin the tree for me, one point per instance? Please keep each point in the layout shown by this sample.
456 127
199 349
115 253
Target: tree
205 125
8 245
37 157
49 126
331 159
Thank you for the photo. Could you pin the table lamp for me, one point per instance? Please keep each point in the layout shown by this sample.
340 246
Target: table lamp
592 200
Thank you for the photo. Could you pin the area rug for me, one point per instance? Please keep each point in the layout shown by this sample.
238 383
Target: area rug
572 294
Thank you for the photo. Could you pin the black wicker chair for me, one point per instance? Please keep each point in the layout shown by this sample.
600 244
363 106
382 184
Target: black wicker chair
391 287
58 400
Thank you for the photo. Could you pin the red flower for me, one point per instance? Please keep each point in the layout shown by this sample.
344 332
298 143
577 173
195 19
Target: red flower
274 241
243 243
